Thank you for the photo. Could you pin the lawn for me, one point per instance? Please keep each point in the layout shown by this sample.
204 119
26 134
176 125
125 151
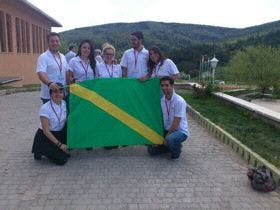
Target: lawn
261 137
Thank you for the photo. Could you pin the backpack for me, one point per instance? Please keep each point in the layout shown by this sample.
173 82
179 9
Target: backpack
261 179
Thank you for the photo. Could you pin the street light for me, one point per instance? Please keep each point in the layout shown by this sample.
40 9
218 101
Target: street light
214 61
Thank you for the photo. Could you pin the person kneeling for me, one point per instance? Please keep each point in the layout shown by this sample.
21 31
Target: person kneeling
174 119
50 138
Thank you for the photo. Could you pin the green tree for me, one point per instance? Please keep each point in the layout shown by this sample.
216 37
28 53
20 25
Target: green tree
256 65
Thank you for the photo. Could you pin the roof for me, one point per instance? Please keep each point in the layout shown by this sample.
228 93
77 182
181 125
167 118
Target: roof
54 23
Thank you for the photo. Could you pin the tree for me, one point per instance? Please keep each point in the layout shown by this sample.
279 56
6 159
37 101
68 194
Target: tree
256 65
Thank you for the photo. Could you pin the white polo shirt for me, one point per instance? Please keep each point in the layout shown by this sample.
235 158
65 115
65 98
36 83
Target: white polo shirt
108 71
176 107
168 68
56 114
81 70
69 55
54 68
135 62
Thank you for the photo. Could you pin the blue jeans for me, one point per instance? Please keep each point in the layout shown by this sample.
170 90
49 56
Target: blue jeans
174 145
174 142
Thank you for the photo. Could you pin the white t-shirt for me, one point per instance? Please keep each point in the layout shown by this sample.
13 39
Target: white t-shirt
55 113
54 68
176 107
108 71
69 55
135 62
168 68
81 70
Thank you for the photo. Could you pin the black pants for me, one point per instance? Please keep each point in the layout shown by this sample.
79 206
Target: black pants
43 146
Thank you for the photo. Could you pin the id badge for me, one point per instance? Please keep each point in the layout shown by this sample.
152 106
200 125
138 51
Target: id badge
61 78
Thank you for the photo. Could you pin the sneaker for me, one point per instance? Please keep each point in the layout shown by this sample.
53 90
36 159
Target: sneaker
175 156
37 156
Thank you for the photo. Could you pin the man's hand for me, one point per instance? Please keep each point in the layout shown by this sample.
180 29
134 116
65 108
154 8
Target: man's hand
54 86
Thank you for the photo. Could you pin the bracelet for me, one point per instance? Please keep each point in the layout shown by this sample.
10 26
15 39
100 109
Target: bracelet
49 84
59 144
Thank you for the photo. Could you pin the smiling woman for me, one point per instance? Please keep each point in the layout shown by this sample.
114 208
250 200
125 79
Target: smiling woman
50 138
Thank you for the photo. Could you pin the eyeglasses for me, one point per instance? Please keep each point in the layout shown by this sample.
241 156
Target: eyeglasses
109 54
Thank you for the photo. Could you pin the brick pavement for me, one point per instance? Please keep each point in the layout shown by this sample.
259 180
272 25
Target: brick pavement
208 175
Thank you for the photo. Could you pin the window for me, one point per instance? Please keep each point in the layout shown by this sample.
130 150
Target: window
33 39
9 32
18 35
40 40
23 36
27 37
2 33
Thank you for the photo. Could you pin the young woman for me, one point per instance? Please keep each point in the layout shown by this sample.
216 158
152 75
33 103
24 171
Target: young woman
108 68
160 66
50 138
82 67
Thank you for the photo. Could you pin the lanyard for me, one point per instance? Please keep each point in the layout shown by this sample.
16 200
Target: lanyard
136 53
85 67
157 69
58 64
58 117
168 108
108 70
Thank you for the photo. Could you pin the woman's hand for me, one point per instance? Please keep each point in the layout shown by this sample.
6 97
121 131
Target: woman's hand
64 147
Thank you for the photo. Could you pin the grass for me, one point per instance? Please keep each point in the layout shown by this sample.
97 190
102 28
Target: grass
261 137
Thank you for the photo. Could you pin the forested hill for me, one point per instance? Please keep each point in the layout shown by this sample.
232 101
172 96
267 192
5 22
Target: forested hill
164 35
184 43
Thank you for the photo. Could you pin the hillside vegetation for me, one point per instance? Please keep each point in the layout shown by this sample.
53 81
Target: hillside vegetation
184 43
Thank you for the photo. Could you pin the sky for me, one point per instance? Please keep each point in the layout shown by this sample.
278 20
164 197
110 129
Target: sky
234 13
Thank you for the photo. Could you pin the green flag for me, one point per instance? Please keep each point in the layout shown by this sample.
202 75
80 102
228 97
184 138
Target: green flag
114 111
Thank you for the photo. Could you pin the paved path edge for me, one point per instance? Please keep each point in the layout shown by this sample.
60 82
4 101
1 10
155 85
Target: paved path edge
246 153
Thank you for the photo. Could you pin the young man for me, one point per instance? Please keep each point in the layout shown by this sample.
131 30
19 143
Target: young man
51 67
174 119
134 60
71 53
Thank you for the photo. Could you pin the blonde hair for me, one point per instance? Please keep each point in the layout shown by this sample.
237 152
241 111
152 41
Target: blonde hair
107 46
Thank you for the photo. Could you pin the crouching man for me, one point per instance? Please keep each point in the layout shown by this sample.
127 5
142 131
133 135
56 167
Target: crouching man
174 119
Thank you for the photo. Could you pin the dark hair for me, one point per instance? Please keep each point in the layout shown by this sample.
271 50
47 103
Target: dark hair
60 87
51 34
167 78
91 54
71 47
151 64
138 34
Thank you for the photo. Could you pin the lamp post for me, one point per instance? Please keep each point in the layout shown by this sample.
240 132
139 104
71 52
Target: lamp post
214 61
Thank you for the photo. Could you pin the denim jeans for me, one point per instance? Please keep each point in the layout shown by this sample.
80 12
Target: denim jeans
174 142
174 145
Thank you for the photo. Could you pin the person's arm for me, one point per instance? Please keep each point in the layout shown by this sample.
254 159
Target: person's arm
124 72
174 76
50 136
70 77
44 78
146 77
175 125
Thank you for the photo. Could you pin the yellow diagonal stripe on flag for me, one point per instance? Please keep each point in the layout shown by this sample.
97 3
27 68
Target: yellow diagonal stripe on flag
116 112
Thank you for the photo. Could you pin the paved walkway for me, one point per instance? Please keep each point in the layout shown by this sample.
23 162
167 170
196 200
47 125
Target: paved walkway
270 104
208 175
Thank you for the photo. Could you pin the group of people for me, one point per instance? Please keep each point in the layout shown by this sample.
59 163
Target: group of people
56 70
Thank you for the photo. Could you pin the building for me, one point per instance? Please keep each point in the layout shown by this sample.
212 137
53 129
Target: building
23 32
